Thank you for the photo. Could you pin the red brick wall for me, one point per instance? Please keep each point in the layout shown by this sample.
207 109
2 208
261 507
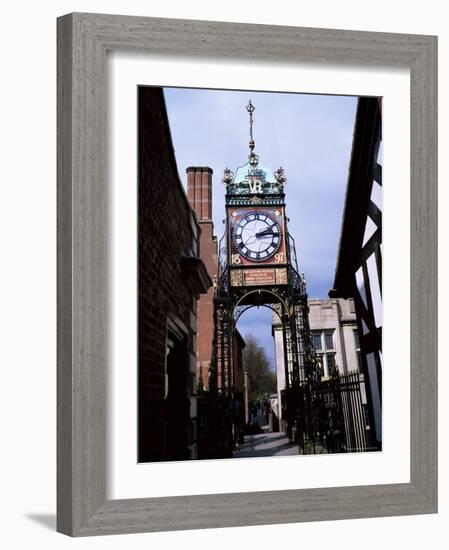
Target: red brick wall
166 232
205 328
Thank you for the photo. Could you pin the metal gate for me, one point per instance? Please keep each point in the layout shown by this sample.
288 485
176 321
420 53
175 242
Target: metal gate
332 419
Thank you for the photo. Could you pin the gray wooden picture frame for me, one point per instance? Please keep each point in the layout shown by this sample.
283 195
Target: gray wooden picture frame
83 40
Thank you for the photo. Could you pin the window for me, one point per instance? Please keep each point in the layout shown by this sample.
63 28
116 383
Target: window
320 362
365 411
357 350
316 340
331 362
325 354
356 339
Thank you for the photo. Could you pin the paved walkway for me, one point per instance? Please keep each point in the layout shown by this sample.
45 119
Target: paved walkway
266 444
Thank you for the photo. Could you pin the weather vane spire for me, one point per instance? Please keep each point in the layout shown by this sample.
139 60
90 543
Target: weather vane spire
250 108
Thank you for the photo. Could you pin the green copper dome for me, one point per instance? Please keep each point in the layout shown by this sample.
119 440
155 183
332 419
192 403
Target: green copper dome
254 178
265 174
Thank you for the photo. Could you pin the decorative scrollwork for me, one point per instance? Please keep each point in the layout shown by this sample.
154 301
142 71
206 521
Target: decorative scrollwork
228 176
280 176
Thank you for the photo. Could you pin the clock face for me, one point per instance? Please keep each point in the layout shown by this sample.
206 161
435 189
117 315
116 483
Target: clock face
257 235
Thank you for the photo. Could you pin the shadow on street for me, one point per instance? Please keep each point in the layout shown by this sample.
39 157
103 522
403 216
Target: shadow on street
266 444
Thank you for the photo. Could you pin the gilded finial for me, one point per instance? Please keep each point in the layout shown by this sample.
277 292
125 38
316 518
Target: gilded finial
250 108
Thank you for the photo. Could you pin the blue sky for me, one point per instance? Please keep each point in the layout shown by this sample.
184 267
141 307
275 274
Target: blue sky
310 136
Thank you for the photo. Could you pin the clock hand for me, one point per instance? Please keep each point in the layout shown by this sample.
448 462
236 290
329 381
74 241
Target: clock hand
264 233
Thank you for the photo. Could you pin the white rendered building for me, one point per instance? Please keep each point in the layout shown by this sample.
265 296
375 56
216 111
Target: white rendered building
333 325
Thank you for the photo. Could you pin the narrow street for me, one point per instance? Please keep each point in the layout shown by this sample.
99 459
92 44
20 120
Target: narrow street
266 444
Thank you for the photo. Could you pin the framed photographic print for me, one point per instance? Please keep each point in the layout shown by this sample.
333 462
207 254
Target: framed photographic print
230 350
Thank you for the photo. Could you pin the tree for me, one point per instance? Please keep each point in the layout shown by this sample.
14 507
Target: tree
262 380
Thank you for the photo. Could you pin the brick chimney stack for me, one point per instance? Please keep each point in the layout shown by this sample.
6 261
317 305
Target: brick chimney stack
199 191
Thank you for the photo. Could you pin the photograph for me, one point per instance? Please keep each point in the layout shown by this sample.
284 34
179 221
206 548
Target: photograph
259 274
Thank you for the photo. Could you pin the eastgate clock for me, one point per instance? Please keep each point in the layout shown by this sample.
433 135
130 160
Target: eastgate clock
257 235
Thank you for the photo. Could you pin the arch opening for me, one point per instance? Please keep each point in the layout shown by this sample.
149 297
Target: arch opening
262 404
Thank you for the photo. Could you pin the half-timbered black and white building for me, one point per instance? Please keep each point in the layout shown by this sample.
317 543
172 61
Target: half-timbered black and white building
359 263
